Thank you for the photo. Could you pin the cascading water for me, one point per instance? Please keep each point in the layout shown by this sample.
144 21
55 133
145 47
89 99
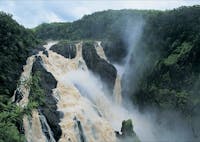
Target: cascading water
117 88
89 115
33 128
32 124
100 50
78 110
23 88
46 129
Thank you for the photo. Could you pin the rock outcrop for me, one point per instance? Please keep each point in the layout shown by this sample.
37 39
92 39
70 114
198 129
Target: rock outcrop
18 96
127 133
65 49
49 109
99 66
80 130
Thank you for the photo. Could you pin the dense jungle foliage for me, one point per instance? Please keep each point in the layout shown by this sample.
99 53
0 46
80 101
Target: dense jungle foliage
16 44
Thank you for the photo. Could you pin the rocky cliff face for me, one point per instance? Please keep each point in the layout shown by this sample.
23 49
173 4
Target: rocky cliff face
99 66
66 49
49 106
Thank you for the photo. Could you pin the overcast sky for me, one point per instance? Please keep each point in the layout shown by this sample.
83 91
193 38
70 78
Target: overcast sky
30 13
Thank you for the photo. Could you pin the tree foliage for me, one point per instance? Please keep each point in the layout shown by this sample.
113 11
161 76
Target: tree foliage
16 44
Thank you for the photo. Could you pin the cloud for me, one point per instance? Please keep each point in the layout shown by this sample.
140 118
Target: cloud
32 13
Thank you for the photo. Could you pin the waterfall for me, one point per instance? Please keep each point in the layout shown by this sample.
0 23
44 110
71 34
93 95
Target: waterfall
89 115
100 50
22 92
50 44
36 128
91 126
32 124
46 129
33 128
117 88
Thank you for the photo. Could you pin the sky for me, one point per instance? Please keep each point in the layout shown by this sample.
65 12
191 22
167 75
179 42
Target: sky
31 13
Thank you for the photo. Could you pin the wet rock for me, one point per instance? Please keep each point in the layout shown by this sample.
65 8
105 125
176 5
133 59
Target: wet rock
48 82
67 50
49 109
99 66
18 96
80 129
36 50
45 128
20 127
45 52
127 133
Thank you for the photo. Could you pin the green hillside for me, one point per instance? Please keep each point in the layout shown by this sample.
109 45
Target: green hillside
16 44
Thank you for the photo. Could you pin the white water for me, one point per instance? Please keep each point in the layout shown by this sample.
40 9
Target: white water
74 104
33 128
47 128
100 50
24 82
117 87
50 44
81 98
32 124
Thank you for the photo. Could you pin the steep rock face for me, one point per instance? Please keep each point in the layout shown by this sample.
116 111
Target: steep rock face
127 133
99 66
65 49
49 108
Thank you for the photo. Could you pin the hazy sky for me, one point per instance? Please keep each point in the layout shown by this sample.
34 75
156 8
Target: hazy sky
30 13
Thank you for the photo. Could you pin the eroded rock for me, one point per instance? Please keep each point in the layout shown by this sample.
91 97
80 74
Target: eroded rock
127 132
49 109
99 66
65 49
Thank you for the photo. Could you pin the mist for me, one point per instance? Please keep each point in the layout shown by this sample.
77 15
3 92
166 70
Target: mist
151 124
132 65
145 124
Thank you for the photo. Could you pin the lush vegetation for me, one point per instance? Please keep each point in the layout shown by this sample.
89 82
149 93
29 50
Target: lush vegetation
36 97
10 117
169 71
16 44
53 31
108 26
171 41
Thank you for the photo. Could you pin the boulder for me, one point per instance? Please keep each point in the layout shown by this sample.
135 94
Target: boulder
67 50
127 132
45 52
18 96
80 129
99 66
